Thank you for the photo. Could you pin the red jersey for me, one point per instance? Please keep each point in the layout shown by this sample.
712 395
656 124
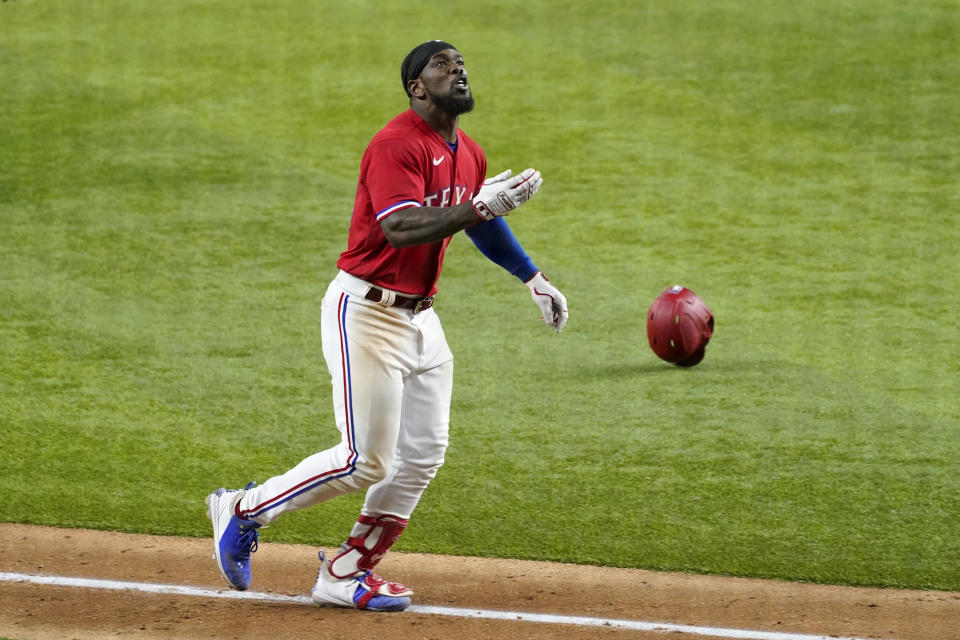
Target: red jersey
407 164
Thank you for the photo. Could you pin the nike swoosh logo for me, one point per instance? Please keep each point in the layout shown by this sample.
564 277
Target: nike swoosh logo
437 161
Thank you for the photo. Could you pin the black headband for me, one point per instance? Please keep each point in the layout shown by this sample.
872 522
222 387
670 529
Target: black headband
417 59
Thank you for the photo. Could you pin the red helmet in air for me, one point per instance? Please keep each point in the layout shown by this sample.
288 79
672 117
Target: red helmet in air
679 326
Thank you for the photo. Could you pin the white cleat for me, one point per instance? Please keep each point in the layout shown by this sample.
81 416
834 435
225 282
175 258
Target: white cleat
365 591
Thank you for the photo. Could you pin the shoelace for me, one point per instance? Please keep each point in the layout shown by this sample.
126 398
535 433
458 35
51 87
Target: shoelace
247 543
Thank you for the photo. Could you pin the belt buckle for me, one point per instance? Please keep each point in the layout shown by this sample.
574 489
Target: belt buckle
420 302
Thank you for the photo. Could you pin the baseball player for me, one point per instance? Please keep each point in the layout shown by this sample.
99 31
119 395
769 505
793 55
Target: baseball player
422 180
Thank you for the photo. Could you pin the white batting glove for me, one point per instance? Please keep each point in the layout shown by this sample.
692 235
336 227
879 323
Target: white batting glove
502 194
552 303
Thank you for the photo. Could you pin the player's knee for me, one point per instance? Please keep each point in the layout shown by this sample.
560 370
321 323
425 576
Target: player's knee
428 472
427 463
370 471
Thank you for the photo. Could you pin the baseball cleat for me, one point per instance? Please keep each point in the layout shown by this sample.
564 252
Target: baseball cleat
364 591
233 539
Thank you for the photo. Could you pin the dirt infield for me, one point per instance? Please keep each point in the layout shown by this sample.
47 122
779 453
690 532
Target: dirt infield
31 611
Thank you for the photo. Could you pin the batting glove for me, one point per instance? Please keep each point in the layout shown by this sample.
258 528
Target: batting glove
552 303
502 194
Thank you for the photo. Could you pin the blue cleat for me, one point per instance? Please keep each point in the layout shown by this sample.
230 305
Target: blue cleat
233 539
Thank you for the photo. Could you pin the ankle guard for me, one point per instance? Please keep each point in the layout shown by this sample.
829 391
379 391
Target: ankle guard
367 544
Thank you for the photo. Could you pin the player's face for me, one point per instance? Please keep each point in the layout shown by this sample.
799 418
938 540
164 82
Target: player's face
445 82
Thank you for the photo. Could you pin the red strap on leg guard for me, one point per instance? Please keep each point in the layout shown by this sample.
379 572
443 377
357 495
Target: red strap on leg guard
368 543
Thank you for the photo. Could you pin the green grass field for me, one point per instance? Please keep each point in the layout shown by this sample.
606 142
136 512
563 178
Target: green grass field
176 181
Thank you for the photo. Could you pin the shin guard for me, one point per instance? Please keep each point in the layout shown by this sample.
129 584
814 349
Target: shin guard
367 544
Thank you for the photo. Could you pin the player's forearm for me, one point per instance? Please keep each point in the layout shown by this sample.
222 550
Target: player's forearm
496 241
423 225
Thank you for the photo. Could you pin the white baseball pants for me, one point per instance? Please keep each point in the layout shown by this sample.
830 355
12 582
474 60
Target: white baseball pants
392 375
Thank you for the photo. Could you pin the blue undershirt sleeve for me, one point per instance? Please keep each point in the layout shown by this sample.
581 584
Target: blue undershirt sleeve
496 241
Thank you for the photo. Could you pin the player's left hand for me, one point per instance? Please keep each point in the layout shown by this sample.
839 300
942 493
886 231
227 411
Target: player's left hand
552 303
501 194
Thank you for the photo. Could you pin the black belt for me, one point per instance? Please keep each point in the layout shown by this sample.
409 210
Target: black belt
403 302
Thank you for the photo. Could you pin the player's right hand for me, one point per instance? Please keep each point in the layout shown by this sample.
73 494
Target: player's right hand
502 194
552 303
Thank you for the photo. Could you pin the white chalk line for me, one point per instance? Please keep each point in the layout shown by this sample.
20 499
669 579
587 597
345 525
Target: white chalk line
522 616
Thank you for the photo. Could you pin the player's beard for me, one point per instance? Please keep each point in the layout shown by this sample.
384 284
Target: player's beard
453 104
